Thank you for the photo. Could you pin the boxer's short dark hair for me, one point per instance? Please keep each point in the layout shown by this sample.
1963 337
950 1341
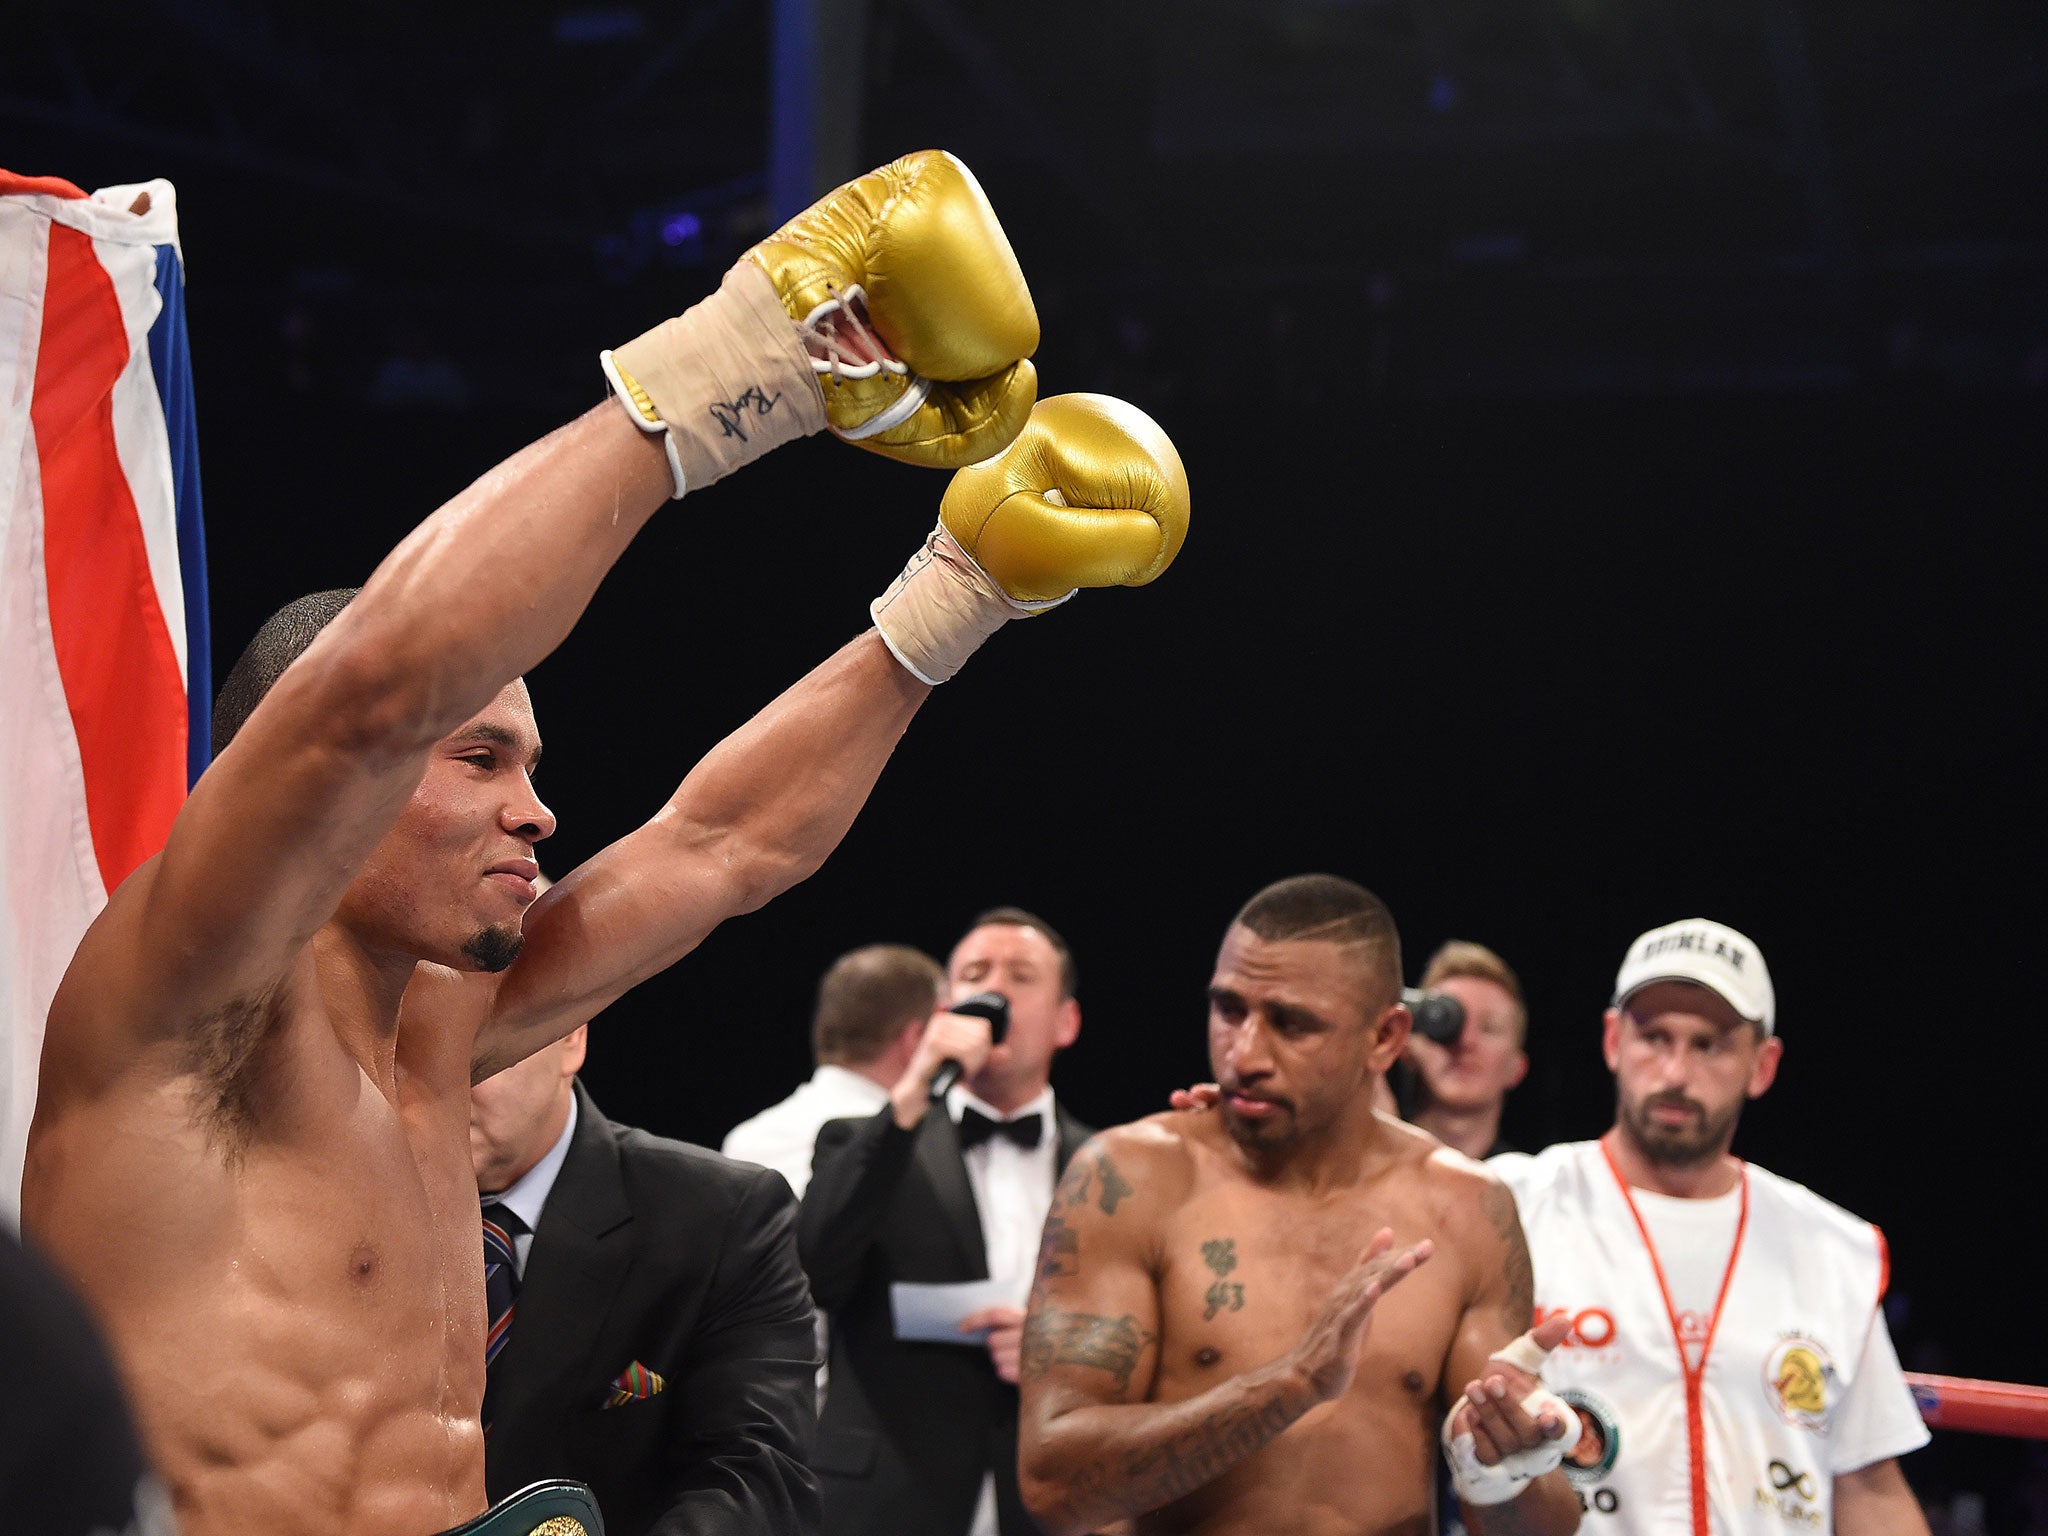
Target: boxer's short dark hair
1330 909
1017 917
281 641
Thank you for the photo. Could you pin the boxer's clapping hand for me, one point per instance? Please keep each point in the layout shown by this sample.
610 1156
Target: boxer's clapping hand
1493 1413
949 1037
1327 1355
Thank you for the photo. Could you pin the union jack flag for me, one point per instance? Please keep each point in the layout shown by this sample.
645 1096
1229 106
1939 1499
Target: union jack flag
105 685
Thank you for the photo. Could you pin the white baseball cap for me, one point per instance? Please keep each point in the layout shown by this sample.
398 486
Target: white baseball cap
1712 954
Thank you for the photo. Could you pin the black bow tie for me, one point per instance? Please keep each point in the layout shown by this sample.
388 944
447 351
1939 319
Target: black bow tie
975 1128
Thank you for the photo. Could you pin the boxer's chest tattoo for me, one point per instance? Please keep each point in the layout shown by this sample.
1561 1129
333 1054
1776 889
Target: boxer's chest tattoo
1224 1294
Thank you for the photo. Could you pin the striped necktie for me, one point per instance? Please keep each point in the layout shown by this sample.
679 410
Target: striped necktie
501 1288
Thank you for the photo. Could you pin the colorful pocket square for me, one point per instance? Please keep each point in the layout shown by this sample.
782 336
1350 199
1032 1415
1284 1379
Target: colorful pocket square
634 1383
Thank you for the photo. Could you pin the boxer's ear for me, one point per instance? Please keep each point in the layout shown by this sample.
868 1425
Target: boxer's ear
1390 1033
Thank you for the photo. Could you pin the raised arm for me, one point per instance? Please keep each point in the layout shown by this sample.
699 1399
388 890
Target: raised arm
758 814
1091 1450
278 829
1499 1312
1090 494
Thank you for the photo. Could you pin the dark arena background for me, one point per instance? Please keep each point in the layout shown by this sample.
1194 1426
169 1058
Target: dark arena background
1617 433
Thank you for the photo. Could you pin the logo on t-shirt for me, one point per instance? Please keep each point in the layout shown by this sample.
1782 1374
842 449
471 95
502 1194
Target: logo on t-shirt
1800 1379
1592 1327
1598 1447
1791 1496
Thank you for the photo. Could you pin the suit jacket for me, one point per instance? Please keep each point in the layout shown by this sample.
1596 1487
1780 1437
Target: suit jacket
907 1429
649 1251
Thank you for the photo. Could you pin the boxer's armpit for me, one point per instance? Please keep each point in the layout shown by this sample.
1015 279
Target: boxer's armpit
224 1046
1518 1303
1112 1344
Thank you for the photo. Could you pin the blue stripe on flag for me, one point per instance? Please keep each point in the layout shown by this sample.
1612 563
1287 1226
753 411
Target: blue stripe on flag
170 356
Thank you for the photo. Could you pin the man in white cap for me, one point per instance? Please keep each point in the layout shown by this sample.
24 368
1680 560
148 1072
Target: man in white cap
1728 1356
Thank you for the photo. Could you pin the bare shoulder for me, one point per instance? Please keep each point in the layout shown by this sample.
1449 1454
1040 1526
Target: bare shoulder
1476 1219
1478 1209
1147 1165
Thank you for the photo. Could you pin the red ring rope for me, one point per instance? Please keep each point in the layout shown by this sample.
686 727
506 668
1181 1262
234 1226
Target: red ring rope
1986 1407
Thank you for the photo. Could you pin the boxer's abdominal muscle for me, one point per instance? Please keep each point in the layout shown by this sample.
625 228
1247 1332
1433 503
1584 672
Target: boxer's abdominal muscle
302 1324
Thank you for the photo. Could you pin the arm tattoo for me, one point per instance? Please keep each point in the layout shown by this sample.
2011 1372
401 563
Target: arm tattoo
1059 1252
1202 1454
1114 1185
1073 1188
1518 1305
1112 1344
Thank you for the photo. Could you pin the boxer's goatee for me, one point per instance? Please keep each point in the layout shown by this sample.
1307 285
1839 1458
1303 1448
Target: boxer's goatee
493 949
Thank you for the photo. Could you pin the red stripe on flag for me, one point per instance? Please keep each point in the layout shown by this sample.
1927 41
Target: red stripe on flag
114 652
49 186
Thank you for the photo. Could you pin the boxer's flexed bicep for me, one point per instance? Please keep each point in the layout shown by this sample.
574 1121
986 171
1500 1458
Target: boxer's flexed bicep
1091 1335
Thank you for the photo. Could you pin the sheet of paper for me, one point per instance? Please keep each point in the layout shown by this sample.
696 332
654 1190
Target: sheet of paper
932 1313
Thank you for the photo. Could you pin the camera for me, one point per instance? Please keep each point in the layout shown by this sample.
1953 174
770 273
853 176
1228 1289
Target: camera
1438 1016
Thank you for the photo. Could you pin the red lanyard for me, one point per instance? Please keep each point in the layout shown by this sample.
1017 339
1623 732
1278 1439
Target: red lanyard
1695 1420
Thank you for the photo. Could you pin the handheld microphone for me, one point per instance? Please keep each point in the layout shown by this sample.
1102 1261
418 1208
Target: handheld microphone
1438 1015
992 1006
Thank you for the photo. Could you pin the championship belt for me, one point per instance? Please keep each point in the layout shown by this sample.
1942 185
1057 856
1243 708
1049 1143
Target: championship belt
553 1508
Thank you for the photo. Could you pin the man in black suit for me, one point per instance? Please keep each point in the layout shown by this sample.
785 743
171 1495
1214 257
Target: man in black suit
651 1327
920 1439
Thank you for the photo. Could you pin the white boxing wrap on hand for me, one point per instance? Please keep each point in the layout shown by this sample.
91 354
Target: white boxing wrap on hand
936 614
723 382
1477 1483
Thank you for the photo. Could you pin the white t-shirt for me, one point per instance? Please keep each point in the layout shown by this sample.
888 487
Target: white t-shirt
1788 1381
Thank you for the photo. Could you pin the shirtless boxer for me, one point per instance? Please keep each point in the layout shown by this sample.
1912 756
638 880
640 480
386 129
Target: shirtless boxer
1252 1319
251 1146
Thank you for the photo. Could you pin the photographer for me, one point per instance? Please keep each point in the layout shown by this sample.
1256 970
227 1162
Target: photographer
1455 1085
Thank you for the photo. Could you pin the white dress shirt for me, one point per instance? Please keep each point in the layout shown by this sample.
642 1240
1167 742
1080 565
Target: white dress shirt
529 1192
784 1135
1013 1192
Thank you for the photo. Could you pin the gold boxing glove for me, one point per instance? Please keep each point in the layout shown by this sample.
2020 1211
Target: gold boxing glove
892 310
1091 494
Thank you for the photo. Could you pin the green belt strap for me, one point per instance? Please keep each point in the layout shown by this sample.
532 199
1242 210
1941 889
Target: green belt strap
557 1508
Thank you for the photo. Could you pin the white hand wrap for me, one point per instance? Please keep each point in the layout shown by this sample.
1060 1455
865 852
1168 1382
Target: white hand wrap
936 614
723 382
1478 1483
